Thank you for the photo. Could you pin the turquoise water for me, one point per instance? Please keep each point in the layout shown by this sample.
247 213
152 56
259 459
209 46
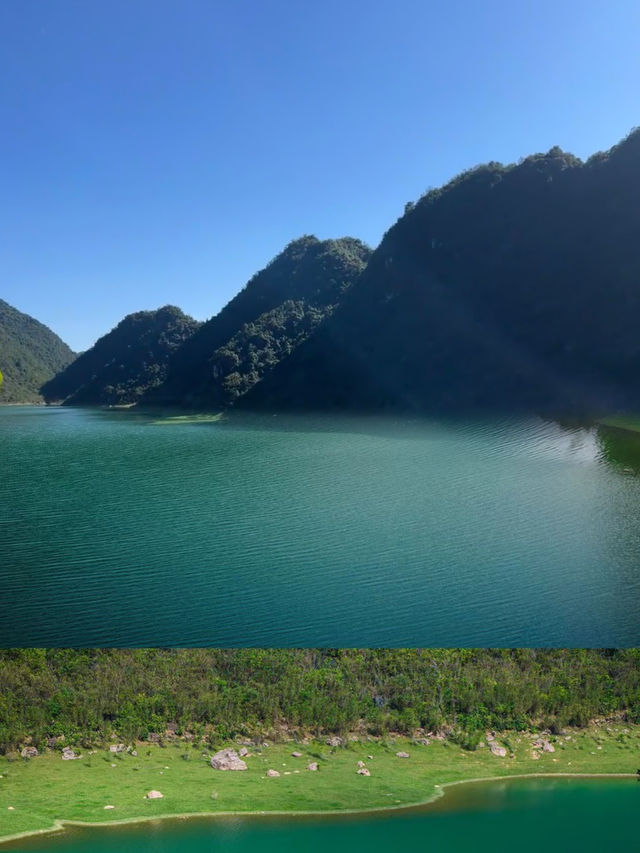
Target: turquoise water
557 816
274 531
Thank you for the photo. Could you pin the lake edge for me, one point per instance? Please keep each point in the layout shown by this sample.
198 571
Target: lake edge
60 825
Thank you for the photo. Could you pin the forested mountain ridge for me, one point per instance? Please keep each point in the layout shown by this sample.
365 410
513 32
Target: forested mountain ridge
125 362
276 310
30 354
512 287
89 694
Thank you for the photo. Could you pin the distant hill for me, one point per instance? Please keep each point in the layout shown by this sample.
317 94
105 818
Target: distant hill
30 354
512 287
124 363
272 315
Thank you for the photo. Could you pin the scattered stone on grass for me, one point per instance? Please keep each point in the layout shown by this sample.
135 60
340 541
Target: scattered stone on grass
29 752
154 795
227 759
68 754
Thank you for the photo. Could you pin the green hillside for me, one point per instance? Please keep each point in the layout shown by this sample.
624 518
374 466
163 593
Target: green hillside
124 363
271 316
512 287
30 354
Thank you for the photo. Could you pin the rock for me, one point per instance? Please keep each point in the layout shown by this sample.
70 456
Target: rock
117 747
402 755
227 759
109 807
548 747
29 752
153 737
296 755
491 736
500 751
68 754
134 752
11 808
334 741
312 766
370 757
154 795
243 752
361 764
535 755
362 771
424 741
272 773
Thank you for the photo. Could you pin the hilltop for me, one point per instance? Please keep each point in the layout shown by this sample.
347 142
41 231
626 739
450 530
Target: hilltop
512 287
123 364
276 311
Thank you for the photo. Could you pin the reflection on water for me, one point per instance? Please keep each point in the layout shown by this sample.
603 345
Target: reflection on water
620 448
494 532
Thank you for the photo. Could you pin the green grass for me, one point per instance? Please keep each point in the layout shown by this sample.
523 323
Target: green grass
46 790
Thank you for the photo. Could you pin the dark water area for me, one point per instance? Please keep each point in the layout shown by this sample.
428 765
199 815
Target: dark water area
117 529
556 815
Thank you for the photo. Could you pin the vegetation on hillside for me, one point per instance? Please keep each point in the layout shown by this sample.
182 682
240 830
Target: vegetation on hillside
512 287
124 363
88 695
30 354
272 315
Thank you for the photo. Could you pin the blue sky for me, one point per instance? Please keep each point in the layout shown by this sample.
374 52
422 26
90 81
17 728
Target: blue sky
162 151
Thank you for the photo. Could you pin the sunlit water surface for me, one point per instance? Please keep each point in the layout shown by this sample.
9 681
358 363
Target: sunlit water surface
116 529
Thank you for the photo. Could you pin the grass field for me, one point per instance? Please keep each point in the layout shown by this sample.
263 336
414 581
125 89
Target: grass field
46 790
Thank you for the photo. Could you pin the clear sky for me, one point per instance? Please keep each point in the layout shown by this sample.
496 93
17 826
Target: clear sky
162 151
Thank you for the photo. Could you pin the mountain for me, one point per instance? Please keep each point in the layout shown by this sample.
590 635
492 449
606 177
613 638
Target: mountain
124 363
512 287
272 315
30 354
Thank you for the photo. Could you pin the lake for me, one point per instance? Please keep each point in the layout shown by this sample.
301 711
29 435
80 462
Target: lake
557 815
117 528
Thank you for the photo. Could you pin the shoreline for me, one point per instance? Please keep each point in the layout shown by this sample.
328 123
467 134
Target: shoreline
61 825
